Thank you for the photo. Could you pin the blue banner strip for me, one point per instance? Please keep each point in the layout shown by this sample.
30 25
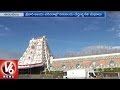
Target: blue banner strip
65 14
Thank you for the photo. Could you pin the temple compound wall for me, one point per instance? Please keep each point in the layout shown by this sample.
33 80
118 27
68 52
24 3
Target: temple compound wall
87 62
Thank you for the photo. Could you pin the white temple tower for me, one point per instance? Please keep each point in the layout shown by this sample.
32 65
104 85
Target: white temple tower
37 54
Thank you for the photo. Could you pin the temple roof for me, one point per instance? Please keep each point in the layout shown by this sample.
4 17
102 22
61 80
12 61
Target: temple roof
90 56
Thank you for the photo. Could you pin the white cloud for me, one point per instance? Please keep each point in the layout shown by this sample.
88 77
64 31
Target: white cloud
114 16
4 30
118 34
116 30
3 27
92 28
116 47
93 50
100 48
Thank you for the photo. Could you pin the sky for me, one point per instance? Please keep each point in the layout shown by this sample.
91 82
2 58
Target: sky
64 34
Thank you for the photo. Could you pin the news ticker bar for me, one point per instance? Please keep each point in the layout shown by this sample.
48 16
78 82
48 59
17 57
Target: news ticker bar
54 14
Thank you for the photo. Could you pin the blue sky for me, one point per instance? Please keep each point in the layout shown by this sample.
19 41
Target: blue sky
64 34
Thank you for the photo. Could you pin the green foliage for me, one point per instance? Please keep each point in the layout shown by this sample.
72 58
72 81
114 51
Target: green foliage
54 72
107 69
99 69
115 69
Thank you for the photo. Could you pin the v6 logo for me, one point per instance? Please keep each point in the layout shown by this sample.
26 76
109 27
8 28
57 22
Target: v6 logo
9 69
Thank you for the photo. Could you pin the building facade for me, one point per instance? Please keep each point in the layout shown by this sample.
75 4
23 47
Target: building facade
38 54
87 62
